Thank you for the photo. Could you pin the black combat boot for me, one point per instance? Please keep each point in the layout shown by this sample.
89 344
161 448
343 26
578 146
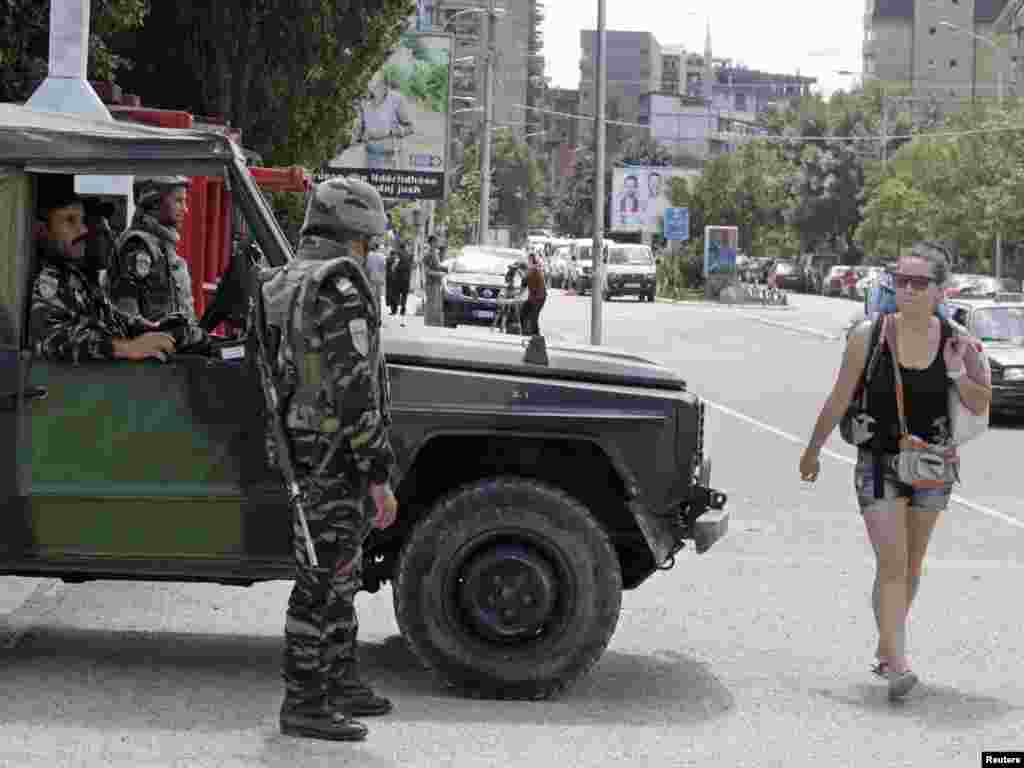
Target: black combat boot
312 719
348 695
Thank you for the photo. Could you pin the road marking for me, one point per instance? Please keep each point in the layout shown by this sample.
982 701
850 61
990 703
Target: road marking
799 329
22 619
973 506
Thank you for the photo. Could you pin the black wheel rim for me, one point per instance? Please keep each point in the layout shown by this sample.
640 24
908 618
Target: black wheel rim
510 587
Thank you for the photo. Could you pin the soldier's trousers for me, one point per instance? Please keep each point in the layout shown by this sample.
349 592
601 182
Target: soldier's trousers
321 625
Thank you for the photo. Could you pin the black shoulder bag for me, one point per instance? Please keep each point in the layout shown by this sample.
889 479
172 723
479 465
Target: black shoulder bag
857 427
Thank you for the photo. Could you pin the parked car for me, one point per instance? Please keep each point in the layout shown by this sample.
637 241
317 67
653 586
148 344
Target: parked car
968 285
835 279
566 475
475 281
999 323
787 275
631 272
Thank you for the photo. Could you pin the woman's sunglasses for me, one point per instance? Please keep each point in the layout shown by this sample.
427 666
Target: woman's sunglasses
917 282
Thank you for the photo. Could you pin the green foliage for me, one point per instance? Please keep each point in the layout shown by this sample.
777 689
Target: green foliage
290 75
425 82
517 181
24 42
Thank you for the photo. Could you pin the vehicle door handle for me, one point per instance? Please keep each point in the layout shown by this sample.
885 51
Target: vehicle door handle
8 400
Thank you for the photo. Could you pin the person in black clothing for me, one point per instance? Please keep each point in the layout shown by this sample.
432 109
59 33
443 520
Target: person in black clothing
899 518
400 277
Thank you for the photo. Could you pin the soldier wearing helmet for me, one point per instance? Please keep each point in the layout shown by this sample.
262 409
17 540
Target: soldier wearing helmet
343 461
149 277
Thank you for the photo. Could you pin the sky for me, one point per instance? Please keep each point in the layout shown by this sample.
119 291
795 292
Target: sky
816 37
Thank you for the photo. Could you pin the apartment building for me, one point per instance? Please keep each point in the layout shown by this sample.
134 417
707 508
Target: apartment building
936 48
634 68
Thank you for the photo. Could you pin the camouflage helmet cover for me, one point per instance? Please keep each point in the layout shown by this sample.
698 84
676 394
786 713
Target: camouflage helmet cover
150 189
342 208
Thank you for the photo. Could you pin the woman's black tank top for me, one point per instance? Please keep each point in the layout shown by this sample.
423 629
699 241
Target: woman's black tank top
925 399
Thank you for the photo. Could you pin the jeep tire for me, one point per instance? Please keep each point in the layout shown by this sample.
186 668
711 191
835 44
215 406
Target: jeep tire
508 589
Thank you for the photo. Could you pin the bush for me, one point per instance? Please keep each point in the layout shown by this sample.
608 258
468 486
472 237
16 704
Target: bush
680 273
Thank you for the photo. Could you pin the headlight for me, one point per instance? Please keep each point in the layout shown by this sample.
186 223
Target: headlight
455 289
1013 374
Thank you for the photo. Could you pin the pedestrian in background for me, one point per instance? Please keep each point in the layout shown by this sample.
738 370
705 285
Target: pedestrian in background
402 275
433 274
377 268
898 517
537 294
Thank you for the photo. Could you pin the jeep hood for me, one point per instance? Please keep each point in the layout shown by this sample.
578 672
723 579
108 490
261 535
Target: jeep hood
630 269
486 352
476 278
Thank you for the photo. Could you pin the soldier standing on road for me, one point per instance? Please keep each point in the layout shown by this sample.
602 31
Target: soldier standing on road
150 278
432 274
71 318
342 455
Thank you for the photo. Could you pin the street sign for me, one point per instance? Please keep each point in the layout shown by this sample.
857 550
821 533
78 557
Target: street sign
677 223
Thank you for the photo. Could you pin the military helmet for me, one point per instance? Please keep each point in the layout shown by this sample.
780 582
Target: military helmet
343 208
150 189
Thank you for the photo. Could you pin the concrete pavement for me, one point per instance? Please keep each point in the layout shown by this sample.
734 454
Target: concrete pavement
754 654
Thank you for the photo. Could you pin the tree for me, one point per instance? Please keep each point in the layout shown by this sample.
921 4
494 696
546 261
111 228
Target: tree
24 42
288 74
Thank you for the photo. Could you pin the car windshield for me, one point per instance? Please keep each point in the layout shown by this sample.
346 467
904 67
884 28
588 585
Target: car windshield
784 267
1000 324
481 264
625 255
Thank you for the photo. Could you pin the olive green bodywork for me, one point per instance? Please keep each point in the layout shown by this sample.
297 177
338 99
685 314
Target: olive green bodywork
158 471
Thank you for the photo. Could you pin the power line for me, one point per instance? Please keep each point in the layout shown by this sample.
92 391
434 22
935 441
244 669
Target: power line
765 137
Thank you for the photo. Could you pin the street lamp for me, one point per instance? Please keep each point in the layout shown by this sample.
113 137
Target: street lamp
994 45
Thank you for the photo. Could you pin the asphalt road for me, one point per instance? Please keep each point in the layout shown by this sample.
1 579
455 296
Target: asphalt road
754 654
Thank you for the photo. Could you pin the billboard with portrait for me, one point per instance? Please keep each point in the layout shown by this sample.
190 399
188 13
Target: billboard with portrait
401 129
720 247
640 197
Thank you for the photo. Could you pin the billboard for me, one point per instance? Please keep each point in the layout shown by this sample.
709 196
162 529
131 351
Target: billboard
640 197
677 224
401 131
720 247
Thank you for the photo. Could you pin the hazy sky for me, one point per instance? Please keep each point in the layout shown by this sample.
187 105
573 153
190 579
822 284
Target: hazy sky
817 37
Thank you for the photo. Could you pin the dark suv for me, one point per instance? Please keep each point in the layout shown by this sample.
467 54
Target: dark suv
535 484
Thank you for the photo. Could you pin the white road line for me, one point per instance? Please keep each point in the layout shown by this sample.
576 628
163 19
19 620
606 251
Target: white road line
974 507
798 329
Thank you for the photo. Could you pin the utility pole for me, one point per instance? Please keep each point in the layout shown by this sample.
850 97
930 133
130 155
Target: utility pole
485 145
885 131
597 282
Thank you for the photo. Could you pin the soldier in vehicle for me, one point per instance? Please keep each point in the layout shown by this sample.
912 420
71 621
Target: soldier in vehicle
149 277
71 318
340 448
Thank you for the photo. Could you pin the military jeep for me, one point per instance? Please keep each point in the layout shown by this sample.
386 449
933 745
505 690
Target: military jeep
535 484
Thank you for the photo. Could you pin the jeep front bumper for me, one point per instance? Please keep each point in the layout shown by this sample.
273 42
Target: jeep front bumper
704 518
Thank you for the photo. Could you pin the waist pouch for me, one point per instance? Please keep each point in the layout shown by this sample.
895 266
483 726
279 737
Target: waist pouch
923 465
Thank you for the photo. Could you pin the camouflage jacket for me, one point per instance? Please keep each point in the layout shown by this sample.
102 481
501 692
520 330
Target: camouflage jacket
352 397
149 277
71 318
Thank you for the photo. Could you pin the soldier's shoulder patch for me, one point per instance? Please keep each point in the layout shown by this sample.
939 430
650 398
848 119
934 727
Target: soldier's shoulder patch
359 330
47 284
143 264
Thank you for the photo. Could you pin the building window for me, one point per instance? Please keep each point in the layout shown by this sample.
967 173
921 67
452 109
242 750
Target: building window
931 30
931 63
741 102
952 63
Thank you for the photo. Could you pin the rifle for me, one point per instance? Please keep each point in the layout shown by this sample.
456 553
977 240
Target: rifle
273 400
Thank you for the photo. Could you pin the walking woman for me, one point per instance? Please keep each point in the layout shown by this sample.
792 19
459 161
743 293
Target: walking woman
899 519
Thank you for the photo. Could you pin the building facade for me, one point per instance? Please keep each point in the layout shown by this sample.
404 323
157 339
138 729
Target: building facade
634 68
932 48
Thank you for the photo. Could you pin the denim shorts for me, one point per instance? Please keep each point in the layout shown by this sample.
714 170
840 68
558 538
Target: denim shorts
928 500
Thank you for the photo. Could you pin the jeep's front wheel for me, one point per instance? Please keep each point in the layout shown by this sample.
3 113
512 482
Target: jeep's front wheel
508 589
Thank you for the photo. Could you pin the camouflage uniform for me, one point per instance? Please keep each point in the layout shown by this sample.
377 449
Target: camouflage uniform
71 318
321 625
151 279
